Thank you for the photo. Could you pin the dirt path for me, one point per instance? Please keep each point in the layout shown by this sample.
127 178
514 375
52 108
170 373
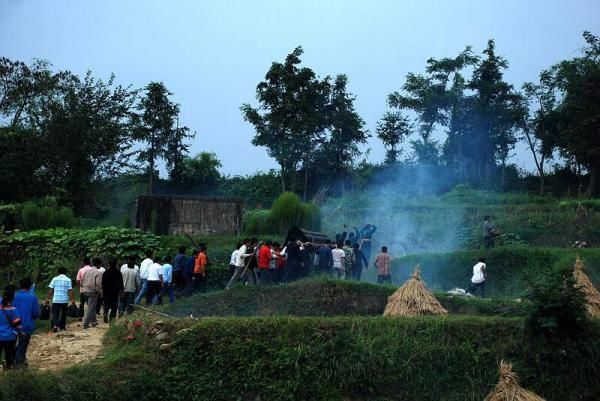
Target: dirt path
55 351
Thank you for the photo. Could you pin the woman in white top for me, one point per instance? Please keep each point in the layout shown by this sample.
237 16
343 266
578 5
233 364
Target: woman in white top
478 278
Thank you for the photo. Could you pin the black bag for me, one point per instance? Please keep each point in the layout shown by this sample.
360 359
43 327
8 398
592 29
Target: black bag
72 311
45 312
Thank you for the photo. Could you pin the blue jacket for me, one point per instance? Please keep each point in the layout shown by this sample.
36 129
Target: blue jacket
29 308
9 319
188 270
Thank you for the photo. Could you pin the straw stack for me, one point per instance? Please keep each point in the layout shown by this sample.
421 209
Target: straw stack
413 299
508 388
592 296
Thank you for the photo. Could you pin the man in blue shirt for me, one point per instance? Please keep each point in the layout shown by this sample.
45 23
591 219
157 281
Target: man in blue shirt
167 272
61 291
178 267
29 308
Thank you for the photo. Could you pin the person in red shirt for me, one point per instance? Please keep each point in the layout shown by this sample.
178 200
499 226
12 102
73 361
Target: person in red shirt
264 260
200 269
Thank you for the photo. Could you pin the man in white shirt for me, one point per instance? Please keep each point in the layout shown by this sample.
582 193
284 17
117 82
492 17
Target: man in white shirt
144 269
339 257
478 278
240 263
154 283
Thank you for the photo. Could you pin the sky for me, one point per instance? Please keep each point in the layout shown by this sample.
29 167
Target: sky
212 54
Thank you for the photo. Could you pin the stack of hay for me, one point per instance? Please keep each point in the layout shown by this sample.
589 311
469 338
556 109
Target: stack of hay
592 296
413 299
508 388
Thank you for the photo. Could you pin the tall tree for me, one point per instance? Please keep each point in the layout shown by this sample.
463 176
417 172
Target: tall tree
156 128
392 129
291 117
498 112
201 171
176 151
578 81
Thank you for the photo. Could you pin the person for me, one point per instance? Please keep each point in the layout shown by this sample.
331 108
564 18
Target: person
131 285
294 260
264 261
130 262
29 309
349 257
325 259
144 268
251 262
178 283
87 264
240 264
478 278
168 284
154 284
366 235
200 270
360 261
59 293
10 325
382 264
338 256
92 288
188 274
489 232
100 300
354 237
278 261
233 259
112 285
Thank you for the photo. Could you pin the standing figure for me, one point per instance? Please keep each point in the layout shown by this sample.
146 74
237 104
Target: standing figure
10 324
489 233
478 278
112 285
382 264
87 264
168 276
324 258
338 255
144 268
131 285
92 288
366 234
29 308
359 262
178 267
60 292
200 270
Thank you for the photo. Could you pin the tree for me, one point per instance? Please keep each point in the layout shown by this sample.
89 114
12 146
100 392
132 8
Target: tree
498 112
578 82
156 128
392 129
201 171
346 130
539 126
291 117
176 149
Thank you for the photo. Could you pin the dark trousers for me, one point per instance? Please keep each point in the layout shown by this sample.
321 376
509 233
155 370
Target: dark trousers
21 350
8 347
386 278
99 304
59 316
292 270
111 303
126 302
477 287
169 291
356 272
154 289
82 302
199 282
488 242
178 281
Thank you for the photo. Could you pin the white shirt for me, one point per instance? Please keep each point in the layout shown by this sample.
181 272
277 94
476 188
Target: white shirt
338 255
124 267
234 257
144 268
478 276
154 272
240 258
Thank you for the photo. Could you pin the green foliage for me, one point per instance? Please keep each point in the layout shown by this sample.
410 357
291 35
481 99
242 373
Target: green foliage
259 190
37 217
39 253
258 222
288 211
508 269
559 305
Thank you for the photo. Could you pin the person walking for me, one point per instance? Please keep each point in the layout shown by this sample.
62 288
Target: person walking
382 264
178 283
489 233
233 259
240 264
478 278
92 288
360 261
87 264
10 325
112 285
200 270
144 268
168 284
264 262
188 274
324 258
60 293
29 309
154 284
131 285
349 257
338 256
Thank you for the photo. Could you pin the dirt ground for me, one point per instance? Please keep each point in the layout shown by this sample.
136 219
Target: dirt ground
55 351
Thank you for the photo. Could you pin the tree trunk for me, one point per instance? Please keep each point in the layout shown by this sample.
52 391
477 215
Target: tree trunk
305 182
151 178
282 178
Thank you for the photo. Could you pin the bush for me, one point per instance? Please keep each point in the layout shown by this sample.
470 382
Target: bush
258 222
288 211
36 217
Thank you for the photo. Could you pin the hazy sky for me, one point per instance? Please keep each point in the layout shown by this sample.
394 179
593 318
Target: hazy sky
211 54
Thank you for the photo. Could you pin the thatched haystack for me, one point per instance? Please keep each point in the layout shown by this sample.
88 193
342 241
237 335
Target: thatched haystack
592 296
508 388
413 299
